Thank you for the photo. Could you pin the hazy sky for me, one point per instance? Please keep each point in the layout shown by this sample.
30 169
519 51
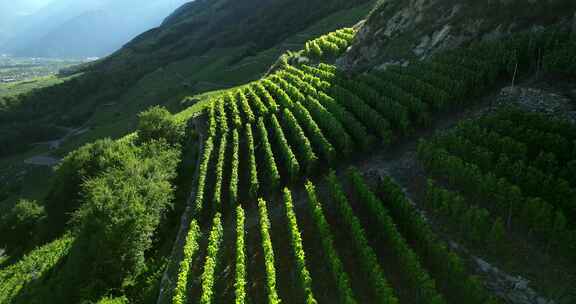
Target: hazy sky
21 7
55 25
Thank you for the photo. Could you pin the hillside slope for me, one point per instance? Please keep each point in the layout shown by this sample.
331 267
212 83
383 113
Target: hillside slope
157 69
247 195
398 31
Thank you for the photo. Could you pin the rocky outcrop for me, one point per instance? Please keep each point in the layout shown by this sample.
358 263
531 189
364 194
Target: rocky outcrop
538 100
403 30
514 289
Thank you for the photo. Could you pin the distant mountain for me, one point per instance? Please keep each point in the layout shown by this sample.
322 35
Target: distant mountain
70 28
12 11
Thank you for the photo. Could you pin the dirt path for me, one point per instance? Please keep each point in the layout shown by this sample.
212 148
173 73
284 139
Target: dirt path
46 159
171 273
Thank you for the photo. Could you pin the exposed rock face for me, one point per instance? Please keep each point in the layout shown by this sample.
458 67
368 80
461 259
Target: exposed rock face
402 30
537 100
514 289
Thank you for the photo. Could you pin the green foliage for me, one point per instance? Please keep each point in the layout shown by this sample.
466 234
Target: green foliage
17 227
212 260
254 185
292 91
414 272
157 123
298 248
329 45
473 222
115 226
372 119
87 162
316 135
507 185
260 95
217 200
355 128
441 262
278 93
268 253
113 300
32 266
202 173
497 235
232 105
345 292
234 168
212 123
390 109
418 111
333 128
287 155
190 248
245 105
221 117
301 141
368 259
240 276
562 61
270 163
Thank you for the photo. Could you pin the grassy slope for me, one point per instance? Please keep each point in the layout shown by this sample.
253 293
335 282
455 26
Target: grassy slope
164 86
262 61
172 83
22 87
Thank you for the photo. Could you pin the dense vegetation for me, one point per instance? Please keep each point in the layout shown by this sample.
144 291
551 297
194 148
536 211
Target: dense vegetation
116 196
522 163
272 218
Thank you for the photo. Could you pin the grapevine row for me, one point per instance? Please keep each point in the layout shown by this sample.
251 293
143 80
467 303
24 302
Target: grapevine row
190 248
327 241
240 278
273 175
220 172
273 297
409 261
212 260
290 162
366 255
308 156
298 249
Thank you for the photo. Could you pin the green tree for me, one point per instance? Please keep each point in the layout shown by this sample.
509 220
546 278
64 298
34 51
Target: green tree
157 123
85 163
112 300
122 212
18 225
496 235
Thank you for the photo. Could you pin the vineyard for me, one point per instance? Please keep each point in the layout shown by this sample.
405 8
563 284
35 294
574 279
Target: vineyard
523 164
269 195
285 240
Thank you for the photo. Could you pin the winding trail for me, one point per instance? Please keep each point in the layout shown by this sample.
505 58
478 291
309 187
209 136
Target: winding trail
46 159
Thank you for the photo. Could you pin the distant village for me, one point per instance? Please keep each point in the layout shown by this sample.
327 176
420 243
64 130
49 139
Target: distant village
14 69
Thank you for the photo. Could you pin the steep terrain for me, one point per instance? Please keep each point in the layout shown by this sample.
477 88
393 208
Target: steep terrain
462 187
398 31
104 99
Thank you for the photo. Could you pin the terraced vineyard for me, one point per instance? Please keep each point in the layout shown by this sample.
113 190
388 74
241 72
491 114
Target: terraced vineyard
510 169
277 215
348 242
423 153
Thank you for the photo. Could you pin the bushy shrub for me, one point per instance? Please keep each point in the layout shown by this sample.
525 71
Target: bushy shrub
18 225
157 123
